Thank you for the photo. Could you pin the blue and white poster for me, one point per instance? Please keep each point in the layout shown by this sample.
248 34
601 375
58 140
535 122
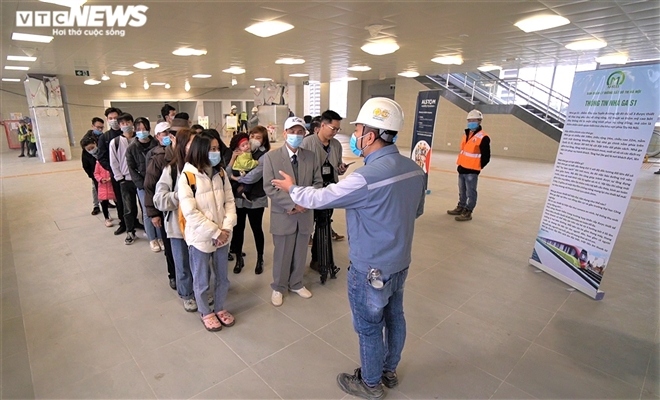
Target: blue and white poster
609 123
422 139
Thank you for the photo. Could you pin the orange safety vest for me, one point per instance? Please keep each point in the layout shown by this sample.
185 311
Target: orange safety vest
470 155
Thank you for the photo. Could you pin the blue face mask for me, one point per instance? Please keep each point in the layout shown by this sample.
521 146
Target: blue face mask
94 153
214 157
141 135
127 128
294 140
353 144
167 141
472 126
97 132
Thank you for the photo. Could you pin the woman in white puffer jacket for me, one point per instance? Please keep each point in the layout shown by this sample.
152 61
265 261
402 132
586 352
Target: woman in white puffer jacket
210 215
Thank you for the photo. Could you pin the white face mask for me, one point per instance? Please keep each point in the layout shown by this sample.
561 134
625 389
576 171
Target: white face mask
254 144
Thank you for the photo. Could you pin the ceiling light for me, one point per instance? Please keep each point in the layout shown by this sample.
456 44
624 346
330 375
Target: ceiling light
448 60
91 82
187 51
612 59
409 74
122 85
27 37
541 22
66 3
234 70
349 78
11 80
298 75
145 65
157 83
202 76
186 86
359 68
380 47
252 86
263 79
487 68
234 82
589 44
21 58
122 73
105 77
16 68
167 86
146 85
290 61
268 28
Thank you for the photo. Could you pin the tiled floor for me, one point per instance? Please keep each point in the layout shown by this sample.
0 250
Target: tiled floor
84 316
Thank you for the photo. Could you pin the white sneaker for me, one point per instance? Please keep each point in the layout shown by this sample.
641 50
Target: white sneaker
154 246
161 244
302 292
276 298
190 305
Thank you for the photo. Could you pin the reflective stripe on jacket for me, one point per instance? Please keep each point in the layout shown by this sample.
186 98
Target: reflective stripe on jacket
470 155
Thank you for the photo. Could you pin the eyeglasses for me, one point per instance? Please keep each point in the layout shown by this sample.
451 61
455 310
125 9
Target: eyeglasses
333 128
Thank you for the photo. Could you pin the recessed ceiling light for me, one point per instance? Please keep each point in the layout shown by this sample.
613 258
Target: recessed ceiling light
263 79
122 85
487 68
252 86
298 75
16 68
541 22
11 80
589 44
349 78
158 83
167 86
448 60
234 70
91 82
612 59
122 73
380 47
66 3
187 51
234 82
290 61
186 86
409 74
145 65
105 77
268 28
21 58
202 76
27 37
359 68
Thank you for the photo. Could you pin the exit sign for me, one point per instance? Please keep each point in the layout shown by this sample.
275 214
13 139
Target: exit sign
82 72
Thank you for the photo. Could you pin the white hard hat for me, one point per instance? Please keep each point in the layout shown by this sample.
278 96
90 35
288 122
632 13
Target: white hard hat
383 114
232 107
475 114
255 109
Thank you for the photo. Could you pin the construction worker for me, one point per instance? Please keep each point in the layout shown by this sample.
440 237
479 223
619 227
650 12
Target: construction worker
23 137
243 121
254 119
382 200
32 140
473 157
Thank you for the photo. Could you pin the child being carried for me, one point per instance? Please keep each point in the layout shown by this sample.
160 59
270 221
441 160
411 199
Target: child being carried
243 164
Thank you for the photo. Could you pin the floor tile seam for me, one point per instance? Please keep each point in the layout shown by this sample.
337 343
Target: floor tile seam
37 174
439 323
338 350
274 353
428 298
510 384
332 321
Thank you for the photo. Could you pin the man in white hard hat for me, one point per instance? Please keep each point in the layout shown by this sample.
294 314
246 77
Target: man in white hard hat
382 200
254 119
473 157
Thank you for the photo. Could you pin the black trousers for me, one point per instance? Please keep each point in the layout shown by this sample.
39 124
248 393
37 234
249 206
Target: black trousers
255 215
171 273
116 187
129 201
104 203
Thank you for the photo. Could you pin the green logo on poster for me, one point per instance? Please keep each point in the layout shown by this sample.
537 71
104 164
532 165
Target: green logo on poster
616 79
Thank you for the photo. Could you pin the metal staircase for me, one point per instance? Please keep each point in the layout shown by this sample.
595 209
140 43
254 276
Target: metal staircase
529 101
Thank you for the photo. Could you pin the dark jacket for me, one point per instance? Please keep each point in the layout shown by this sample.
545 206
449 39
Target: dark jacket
88 160
484 149
136 158
157 158
104 148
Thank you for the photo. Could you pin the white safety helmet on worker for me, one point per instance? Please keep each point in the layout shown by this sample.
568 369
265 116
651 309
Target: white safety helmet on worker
475 114
383 114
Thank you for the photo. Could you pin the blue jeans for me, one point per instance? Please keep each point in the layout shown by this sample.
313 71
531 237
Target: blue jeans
467 190
375 309
200 264
149 228
184 279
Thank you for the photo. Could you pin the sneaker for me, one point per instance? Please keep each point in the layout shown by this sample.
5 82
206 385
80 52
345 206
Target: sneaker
190 305
22 155
130 238
302 292
336 236
155 247
161 244
390 379
466 216
110 205
96 211
276 298
355 386
456 211
108 223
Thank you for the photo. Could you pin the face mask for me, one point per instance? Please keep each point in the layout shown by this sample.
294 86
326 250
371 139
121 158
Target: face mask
214 157
254 144
141 135
294 140
472 125
97 132
353 144
94 152
127 128
113 124
167 141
